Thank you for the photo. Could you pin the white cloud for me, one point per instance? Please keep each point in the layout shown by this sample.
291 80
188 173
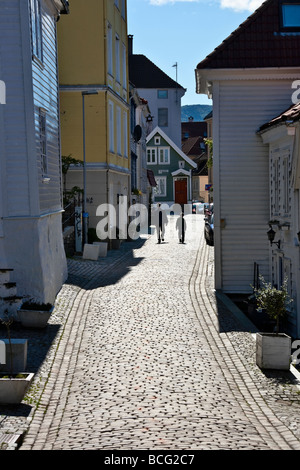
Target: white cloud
165 2
236 5
241 5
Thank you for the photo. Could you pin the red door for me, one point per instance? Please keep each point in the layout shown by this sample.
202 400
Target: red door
181 191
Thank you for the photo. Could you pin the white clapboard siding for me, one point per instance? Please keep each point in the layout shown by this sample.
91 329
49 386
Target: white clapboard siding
45 90
14 133
244 177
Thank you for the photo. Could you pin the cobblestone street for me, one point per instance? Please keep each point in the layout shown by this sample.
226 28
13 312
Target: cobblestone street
144 355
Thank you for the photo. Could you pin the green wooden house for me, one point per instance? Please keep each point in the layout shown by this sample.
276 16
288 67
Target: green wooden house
171 167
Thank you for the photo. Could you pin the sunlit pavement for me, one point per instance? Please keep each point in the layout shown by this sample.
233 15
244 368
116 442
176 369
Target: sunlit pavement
149 358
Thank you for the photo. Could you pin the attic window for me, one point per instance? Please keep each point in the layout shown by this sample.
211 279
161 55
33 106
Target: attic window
290 16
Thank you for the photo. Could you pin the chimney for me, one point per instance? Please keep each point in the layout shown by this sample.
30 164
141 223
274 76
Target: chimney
130 44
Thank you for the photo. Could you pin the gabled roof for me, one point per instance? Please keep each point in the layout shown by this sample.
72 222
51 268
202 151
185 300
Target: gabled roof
158 130
292 114
145 74
257 42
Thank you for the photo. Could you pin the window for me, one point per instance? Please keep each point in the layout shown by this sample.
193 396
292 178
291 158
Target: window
118 59
164 155
161 188
151 156
163 117
111 127
123 10
124 65
286 200
157 140
290 15
43 142
162 94
125 133
36 29
109 50
119 131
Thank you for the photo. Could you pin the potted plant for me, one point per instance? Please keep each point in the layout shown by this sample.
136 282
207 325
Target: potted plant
13 385
35 315
273 350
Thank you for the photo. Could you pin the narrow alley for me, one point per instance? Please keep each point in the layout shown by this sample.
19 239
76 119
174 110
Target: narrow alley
149 358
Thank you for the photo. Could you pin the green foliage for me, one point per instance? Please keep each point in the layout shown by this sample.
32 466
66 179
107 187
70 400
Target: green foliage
209 144
273 301
67 161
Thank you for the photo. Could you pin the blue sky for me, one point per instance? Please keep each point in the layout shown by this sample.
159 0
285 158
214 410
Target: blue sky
184 31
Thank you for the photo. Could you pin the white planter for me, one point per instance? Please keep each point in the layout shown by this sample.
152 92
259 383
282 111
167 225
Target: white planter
273 351
13 390
102 249
34 318
19 355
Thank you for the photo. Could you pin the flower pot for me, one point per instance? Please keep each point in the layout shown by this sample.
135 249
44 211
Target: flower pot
102 249
34 318
15 355
13 390
273 351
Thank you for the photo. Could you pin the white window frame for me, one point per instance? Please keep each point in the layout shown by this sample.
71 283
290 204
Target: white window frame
37 29
285 182
161 182
111 130
163 155
151 155
157 140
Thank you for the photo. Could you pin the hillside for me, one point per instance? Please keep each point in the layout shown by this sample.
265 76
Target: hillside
197 111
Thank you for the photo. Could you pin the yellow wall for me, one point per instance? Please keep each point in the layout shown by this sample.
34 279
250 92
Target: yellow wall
81 44
82 59
71 114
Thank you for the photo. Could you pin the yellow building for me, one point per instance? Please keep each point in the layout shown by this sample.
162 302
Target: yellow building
92 47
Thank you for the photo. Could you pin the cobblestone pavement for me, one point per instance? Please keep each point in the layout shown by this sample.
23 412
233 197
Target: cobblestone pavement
141 354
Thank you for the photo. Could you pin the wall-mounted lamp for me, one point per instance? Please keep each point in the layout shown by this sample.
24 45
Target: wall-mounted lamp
271 235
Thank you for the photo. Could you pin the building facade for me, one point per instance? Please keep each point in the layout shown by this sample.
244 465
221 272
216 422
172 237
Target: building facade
31 241
162 93
94 78
249 86
172 169
281 135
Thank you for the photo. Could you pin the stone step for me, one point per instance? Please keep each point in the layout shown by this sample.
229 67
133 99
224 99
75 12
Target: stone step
5 275
8 289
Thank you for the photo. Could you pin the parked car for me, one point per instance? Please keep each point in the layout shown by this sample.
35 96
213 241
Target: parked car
209 230
197 207
208 209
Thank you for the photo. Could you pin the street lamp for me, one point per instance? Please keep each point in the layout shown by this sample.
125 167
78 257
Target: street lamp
84 213
271 235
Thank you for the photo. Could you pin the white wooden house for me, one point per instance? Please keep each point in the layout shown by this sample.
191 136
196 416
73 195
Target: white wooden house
281 135
30 192
250 77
